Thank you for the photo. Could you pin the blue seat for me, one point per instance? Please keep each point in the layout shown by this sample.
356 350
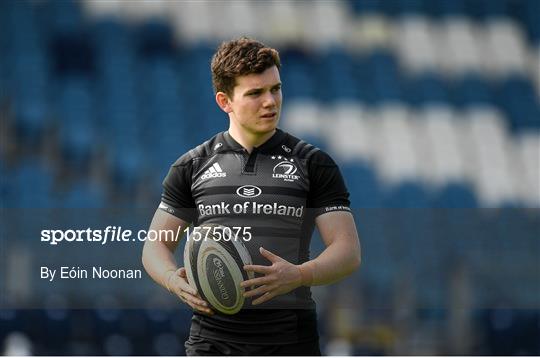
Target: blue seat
64 16
363 185
33 185
335 76
361 7
84 194
428 88
406 195
78 145
530 12
517 97
379 267
127 166
73 52
385 76
8 195
155 39
27 83
75 111
298 83
410 7
30 120
486 9
446 8
470 90
455 195
108 31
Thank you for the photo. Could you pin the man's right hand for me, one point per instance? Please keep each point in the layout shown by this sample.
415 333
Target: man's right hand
178 283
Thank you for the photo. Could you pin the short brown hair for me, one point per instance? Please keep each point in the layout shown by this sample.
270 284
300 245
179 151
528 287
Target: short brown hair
240 57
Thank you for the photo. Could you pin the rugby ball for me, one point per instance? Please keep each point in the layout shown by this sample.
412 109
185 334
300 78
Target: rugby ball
214 266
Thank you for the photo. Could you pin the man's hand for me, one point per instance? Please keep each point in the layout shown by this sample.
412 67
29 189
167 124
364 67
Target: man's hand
178 284
279 278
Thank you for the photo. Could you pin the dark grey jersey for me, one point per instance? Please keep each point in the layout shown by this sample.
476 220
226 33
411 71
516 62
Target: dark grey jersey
275 193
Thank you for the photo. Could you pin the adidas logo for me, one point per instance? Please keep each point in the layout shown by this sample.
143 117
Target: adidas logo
214 171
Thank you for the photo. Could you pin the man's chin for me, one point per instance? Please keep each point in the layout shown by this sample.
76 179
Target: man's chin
267 126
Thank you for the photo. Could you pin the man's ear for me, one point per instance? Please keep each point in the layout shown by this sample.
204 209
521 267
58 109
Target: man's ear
223 102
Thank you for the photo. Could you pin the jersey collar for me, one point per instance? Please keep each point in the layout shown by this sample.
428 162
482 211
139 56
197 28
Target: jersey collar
266 147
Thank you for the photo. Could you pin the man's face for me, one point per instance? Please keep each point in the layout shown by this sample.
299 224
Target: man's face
256 102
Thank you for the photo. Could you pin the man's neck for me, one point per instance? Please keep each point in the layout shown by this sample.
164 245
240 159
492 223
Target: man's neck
249 140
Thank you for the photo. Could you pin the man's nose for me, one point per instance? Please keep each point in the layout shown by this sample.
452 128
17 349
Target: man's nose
269 100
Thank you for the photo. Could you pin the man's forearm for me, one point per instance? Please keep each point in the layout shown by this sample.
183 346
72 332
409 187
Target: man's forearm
336 262
158 262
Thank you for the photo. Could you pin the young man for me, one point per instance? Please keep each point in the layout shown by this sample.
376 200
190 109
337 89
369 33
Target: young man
294 186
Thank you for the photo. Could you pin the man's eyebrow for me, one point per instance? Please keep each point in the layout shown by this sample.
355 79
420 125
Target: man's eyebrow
258 89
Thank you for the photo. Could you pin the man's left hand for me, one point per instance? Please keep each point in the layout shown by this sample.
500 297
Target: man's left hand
279 278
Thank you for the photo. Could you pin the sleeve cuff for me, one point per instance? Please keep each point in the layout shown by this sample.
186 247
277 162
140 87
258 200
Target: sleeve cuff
185 214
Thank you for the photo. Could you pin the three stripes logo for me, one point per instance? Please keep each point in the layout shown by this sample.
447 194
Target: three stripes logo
214 171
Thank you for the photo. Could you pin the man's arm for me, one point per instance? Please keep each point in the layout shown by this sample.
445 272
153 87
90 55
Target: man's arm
342 254
340 258
159 262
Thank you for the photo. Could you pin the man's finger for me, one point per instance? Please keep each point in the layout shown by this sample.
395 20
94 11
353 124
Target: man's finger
258 268
194 300
269 255
257 291
256 281
201 309
205 311
181 272
186 287
267 296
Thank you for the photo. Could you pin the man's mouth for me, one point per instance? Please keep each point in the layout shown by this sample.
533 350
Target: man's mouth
269 115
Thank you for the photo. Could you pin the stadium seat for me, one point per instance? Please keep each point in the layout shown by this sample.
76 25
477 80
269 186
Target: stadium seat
472 90
415 44
430 109
64 16
85 195
440 138
395 157
406 195
520 102
126 164
155 38
380 266
75 117
527 155
505 47
386 81
364 189
33 185
425 89
493 178
447 9
304 118
459 47
528 14
485 10
335 71
366 7
455 195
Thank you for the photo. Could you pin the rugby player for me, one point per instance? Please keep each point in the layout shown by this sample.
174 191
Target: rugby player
292 187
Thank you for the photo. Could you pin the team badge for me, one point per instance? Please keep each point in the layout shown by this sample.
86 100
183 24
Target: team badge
285 169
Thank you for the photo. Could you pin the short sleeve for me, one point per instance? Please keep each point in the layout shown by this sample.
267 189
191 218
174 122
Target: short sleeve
327 188
176 198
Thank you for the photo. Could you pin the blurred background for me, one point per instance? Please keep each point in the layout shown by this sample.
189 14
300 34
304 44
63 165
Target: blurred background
431 109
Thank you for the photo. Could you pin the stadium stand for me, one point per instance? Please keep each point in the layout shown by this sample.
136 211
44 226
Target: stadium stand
431 108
